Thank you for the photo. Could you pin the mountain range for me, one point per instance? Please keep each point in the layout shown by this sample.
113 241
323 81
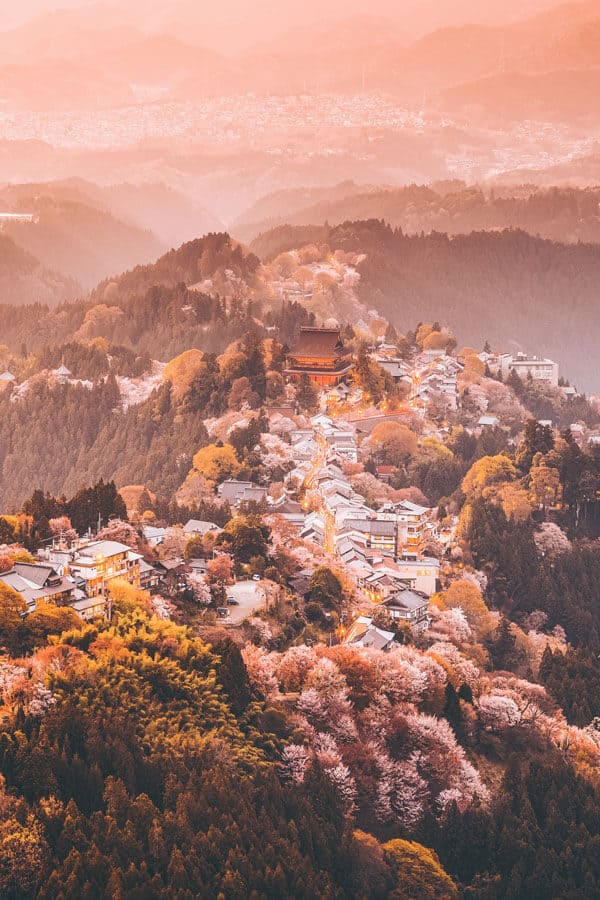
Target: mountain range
561 214
99 57
511 288
87 232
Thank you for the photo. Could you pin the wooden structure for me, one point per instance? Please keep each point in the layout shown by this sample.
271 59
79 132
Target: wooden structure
321 354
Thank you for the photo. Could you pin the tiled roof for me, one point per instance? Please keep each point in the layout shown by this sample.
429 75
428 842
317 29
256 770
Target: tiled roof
379 527
319 342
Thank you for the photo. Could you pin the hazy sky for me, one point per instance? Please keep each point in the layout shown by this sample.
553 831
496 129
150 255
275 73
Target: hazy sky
246 21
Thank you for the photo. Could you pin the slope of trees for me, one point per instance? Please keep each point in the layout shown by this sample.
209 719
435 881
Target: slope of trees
24 280
138 761
92 438
508 287
559 214
80 241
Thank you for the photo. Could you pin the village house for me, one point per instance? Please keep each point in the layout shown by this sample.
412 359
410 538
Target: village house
338 394
90 608
304 449
344 446
578 433
290 510
380 535
488 422
172 573
149 576
95 564
236 492
381 584
320 354
198 528
154 535
413 528
409 606
313 528
37 582
363 633
6 379
437 384
400 372
421 575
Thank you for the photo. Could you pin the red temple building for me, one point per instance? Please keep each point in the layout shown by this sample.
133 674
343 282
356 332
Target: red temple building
321 354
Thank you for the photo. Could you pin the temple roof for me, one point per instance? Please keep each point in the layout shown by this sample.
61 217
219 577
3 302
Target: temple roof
319 343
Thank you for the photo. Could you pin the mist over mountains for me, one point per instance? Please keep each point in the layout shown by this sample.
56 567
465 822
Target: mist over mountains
228 105
127 131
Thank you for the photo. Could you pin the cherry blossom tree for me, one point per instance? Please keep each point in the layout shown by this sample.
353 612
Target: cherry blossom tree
498 712
401 791
261 669
295 761
294 665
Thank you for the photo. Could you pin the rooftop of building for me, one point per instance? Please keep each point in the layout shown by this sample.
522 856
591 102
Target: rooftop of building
318 343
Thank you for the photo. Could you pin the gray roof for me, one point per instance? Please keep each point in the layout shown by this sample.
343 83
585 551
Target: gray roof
406 599
35 585
380 527
415 563
375 637
101 548
38 574
254 493
235 491
197 526
169 564
87 603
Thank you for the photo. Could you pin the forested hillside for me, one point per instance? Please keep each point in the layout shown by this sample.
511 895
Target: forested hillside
93 436
560 214
508 287
157 775
81 241
24 280
150 308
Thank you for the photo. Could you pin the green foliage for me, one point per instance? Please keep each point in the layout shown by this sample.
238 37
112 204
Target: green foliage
144 780
306 395
245 537
101 502
573 679
539 840
537 439
90 361
325 588
468 278
505 549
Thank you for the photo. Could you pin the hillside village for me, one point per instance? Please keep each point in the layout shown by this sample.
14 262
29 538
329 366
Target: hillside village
342 500
376 553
